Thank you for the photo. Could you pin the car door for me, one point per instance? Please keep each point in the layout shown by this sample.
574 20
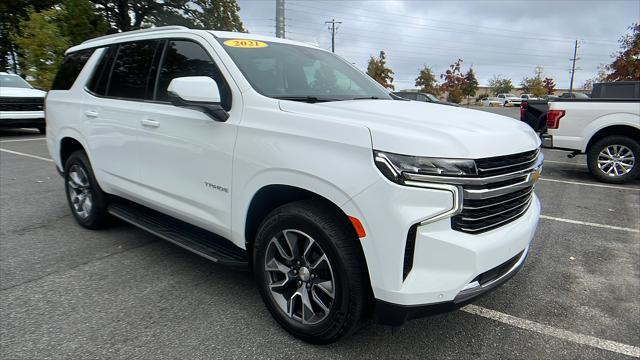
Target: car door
186 156
113 110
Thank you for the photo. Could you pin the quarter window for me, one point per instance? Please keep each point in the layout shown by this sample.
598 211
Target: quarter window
70 68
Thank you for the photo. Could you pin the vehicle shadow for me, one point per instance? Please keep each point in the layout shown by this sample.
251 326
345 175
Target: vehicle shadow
9 133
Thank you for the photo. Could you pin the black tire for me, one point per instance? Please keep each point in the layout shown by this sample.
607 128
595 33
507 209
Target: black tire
339 243
96 217
42 130
594 151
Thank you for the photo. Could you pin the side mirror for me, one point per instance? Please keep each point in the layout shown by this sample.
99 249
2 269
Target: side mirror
198 92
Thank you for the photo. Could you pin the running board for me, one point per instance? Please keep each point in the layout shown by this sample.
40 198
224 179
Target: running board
190 237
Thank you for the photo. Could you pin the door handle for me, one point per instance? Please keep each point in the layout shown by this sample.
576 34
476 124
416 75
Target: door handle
150 123
91 113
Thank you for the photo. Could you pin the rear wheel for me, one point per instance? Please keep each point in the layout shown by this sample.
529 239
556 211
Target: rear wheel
87 201
614 159
310 271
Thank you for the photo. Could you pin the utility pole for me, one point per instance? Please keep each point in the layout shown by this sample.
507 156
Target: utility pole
333 29
280 19
573 66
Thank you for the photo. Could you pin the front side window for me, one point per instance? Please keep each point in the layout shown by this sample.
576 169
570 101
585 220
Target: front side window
186 58
293 72
13 81
133 69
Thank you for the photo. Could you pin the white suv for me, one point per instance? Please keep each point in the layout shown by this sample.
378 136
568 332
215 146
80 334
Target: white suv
21 106
277 156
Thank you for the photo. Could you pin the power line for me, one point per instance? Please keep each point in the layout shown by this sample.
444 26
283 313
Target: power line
386 22
474 26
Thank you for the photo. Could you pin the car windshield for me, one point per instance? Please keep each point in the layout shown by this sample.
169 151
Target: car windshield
13 81
292 72
510 95
432 98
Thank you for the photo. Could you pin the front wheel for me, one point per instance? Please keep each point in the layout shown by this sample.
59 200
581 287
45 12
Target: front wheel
310 271
614 159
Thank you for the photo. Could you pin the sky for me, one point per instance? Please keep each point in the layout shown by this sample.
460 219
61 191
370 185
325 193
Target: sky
501 37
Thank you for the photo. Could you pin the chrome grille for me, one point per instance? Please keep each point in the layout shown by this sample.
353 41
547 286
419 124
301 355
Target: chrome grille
480 215
499 165
502 194
21 104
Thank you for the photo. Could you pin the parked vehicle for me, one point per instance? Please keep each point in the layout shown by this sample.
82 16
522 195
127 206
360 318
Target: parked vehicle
492 101
424 97
282 158
573 95
525 97
21 106
509 100
606 130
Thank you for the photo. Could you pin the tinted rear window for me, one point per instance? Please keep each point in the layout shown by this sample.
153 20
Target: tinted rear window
132 70
70 68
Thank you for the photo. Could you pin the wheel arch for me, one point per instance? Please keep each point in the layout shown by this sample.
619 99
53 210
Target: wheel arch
622 130
68 145
272 196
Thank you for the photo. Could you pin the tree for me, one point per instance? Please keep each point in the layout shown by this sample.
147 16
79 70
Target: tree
204 14
427 81
549 85
80 21
500 85
42 45
11 14
378 70
534 85
626 65
217 15
453 82
470 86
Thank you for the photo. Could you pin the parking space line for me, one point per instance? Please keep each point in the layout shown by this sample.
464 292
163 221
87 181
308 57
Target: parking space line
562 334
590 224
589 184
27 155
18 140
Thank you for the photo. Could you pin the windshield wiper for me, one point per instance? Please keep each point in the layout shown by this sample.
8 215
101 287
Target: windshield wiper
366 98
309 99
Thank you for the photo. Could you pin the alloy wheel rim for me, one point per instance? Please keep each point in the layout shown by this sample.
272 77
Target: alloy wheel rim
616 160
79 191
299 277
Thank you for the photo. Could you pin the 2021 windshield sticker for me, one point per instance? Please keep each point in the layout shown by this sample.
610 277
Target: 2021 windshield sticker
246 44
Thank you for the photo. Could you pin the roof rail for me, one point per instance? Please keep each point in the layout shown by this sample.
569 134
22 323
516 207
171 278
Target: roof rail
134 32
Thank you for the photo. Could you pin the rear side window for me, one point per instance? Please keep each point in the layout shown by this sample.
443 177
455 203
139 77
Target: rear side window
186 58
70 68
133 69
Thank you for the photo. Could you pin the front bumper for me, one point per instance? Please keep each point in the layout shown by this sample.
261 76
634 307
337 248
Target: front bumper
395 315
14 119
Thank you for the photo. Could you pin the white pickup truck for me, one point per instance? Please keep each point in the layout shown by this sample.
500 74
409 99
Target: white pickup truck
606 130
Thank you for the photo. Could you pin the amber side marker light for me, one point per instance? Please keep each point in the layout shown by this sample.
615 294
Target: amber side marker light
357 226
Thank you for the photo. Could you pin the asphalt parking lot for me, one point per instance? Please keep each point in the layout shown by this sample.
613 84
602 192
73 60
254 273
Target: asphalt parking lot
71 293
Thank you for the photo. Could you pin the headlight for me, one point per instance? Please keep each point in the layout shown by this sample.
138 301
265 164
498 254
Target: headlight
394 165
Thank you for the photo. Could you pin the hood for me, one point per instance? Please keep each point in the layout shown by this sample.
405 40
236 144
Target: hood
424 129
21 92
